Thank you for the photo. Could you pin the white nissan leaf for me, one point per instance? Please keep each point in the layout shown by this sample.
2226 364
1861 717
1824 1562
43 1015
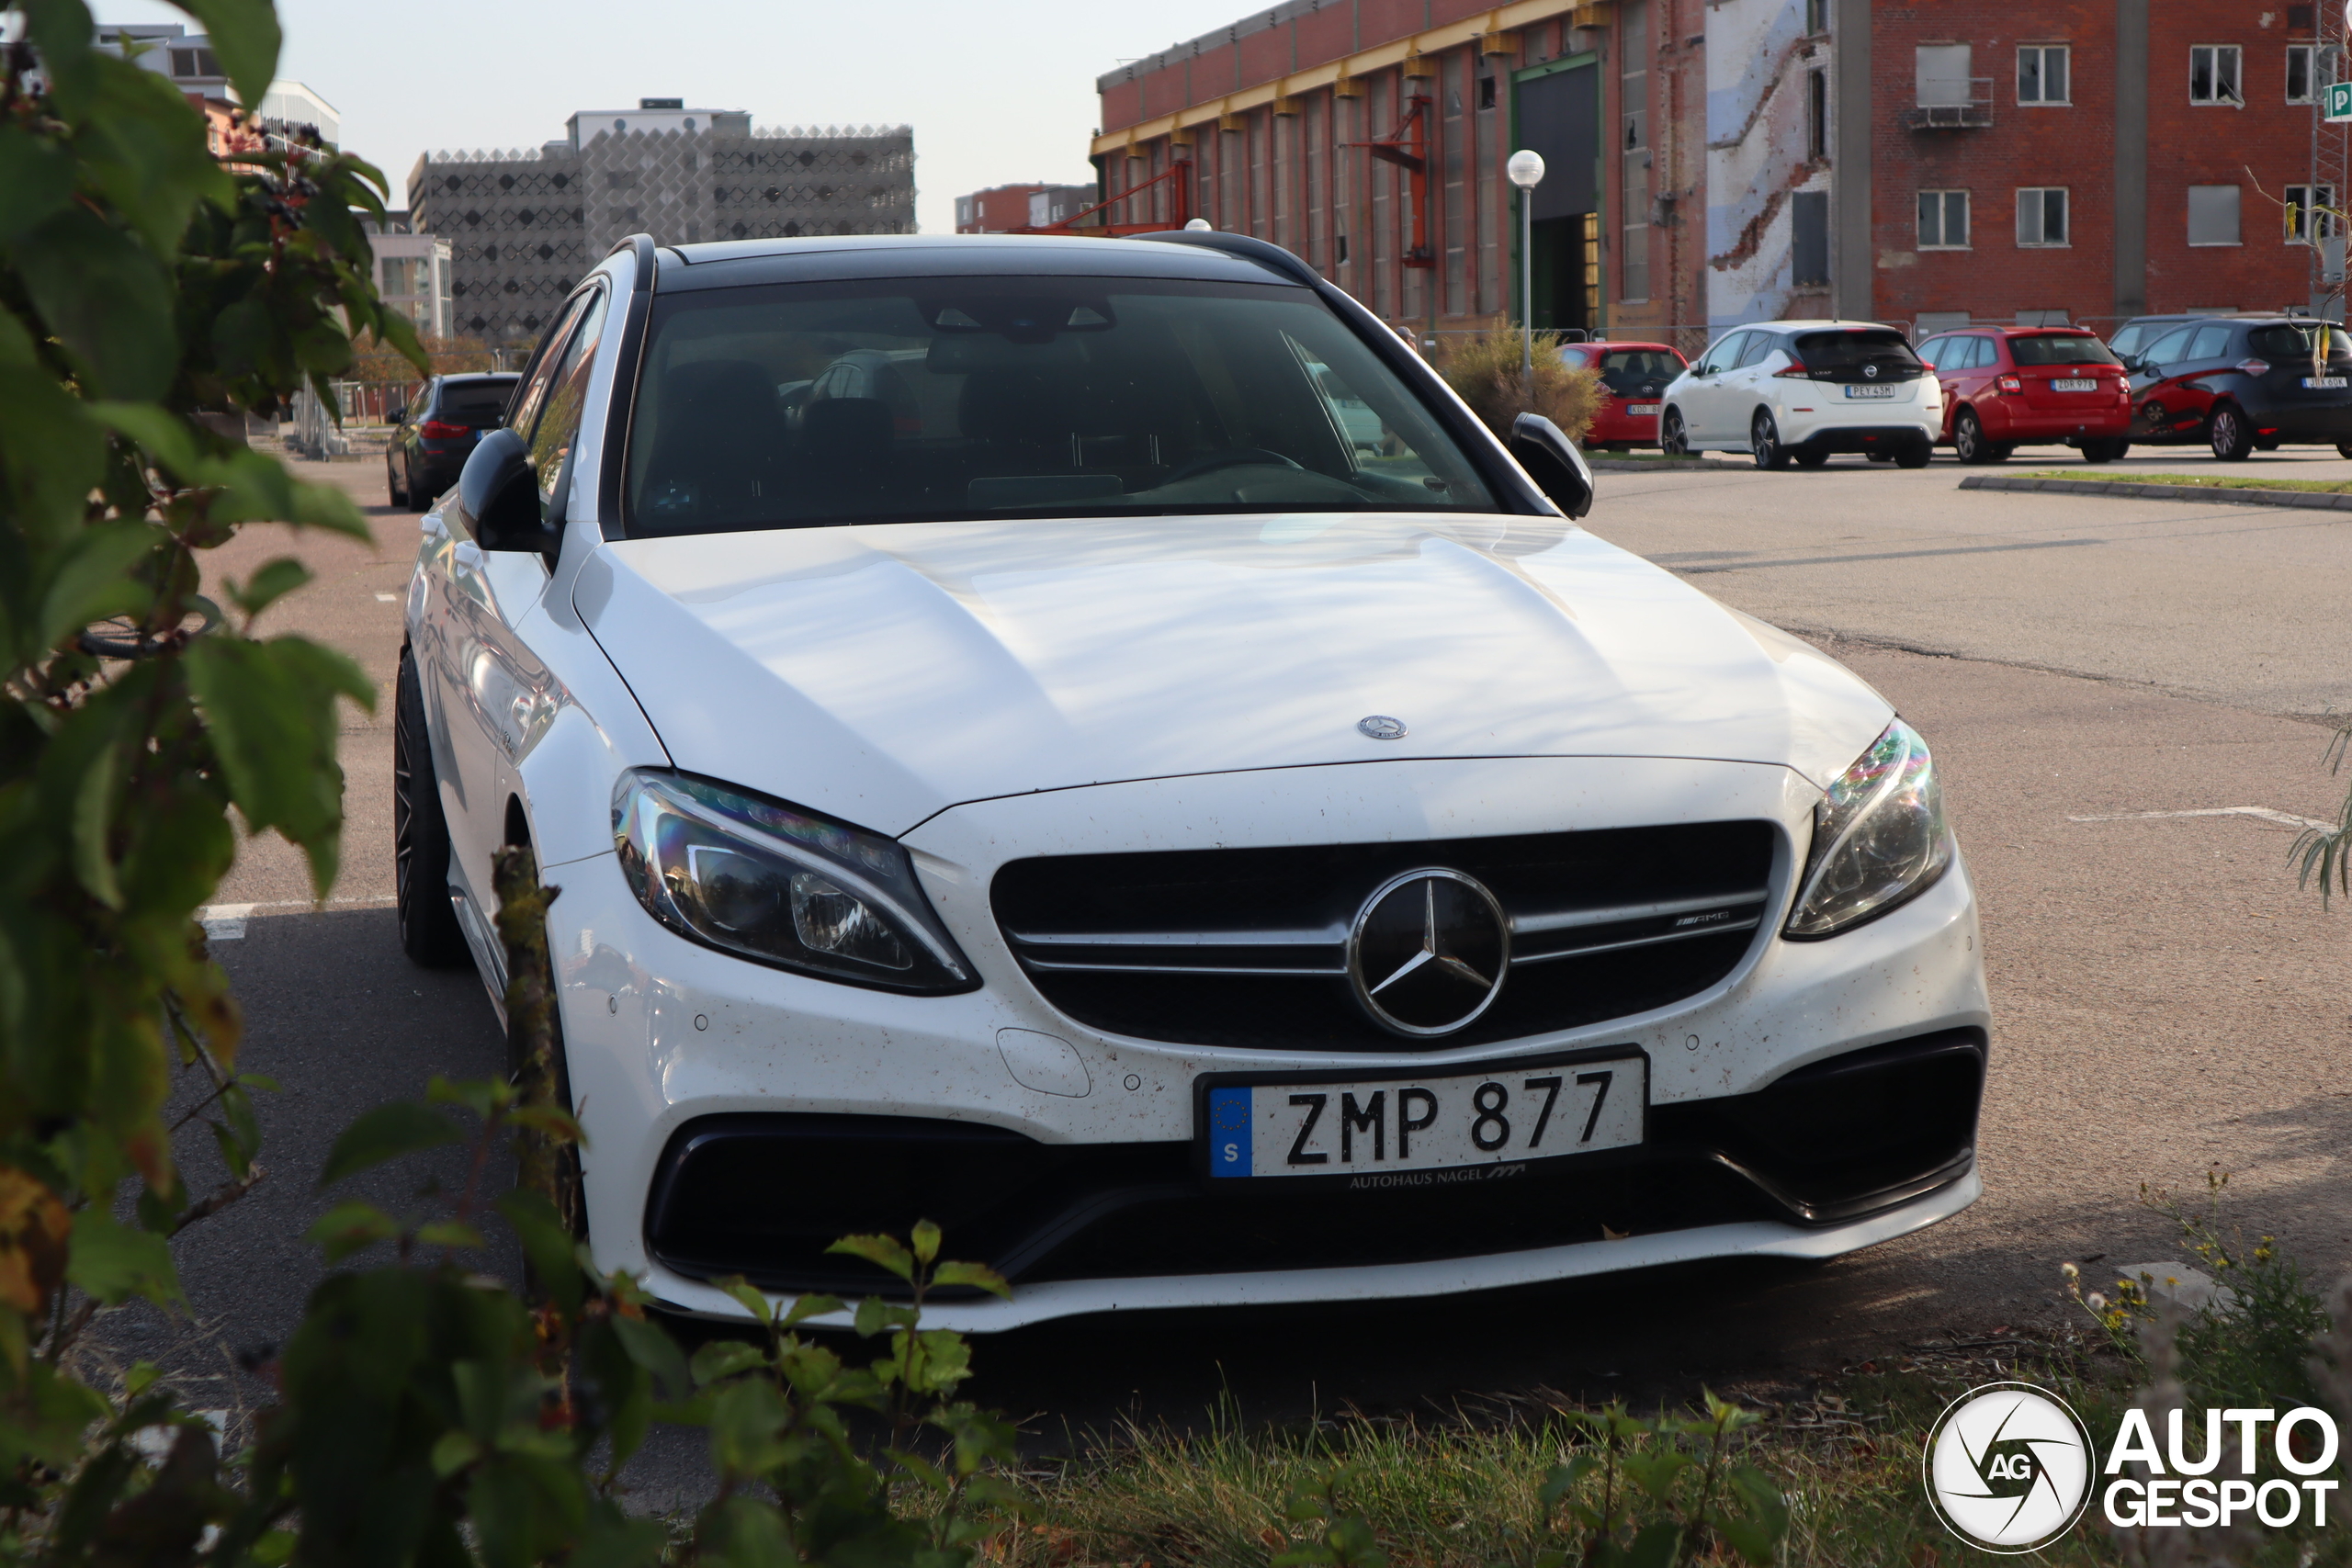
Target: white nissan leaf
1090 743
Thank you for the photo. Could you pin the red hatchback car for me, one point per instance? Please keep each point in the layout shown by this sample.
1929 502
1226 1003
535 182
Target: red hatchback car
2007 386
1636 375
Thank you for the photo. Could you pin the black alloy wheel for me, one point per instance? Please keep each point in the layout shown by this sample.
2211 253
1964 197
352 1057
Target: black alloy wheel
2232 441
2104 448
1915 455
429 931
1764 441
1968 443
1673 439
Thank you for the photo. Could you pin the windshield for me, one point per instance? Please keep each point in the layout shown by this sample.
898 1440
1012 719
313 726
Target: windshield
2060 348
475 403
792 405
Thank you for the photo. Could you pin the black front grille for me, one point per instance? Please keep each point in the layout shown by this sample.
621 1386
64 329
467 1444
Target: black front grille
763 1196
1248 947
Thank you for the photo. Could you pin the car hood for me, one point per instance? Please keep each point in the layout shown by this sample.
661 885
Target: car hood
883 673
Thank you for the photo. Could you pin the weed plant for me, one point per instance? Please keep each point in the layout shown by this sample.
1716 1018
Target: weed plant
1484 370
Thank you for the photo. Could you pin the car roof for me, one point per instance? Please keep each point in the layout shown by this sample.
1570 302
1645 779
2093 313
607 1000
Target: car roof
1623 342
732 262
460 377
2012 330
1825 326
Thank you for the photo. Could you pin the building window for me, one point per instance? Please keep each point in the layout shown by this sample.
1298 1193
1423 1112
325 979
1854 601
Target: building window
1809 239
2299 73
1816 17
1943 220
2212 215
1816 115
2043 75
2042 215
2214 75
1485 92
1633 100
2301 220
1942 74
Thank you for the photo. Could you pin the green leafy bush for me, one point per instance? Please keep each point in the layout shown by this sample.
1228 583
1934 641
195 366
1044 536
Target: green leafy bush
1484 370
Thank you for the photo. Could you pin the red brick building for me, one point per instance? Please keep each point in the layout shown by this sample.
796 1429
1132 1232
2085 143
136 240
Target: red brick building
1713 163
1001 209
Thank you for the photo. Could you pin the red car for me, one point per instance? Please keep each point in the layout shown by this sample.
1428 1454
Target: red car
1636 375
2007 386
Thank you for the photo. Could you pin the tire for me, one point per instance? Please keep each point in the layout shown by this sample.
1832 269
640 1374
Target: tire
418 501
1915 456
2000 452
1764 442
2343 449
429 932
1879 456
2226 430
2269 446
1673 436
395 495
1810 456
1968 443
2104 448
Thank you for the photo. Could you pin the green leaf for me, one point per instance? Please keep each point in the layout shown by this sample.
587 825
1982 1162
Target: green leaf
1654 1547
36 180
245 36
385 1133
724 1359
450 1233
925 1237
115 1262
876 1315
275 579
452 1452
806 1307
270 706
90 580
93 819
881 1250
555 1266
754 1300
107 298
351 1227
655 1351
976 1274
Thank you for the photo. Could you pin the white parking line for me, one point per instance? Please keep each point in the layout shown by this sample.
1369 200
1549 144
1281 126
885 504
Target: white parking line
2262 813
226 922
388 598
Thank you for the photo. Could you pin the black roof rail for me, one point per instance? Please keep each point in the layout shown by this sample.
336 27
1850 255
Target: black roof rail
1266 255
641 245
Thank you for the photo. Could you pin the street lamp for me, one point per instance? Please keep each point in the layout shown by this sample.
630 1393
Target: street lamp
1526 171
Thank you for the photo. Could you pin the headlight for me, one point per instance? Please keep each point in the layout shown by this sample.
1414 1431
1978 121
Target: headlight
759 879
1877 839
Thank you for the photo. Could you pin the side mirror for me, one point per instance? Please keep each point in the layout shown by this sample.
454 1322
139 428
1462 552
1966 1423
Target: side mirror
498 494
399 414
1552 461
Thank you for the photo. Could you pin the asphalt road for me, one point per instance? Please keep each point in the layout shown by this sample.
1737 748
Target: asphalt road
2166 1002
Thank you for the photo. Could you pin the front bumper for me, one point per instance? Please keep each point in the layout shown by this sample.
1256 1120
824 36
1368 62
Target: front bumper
669 1043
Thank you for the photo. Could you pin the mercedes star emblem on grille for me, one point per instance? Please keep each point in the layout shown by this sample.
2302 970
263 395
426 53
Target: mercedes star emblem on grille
1380 727
1428 951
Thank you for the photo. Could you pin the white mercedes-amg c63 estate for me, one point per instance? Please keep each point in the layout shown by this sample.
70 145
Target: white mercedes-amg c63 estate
1019 749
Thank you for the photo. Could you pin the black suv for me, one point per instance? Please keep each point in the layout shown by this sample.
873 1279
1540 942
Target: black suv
434 436
2241 384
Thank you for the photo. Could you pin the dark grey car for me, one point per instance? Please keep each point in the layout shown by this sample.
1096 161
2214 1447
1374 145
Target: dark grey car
432 437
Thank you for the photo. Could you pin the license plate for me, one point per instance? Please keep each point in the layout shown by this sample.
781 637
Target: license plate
1425 1131
1869 391
2075 384
2322 383
1641 410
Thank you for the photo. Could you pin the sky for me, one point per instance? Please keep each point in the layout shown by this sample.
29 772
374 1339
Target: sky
997 94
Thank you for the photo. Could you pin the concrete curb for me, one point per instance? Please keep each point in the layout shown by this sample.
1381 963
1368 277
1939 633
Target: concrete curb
1651 464
2308 499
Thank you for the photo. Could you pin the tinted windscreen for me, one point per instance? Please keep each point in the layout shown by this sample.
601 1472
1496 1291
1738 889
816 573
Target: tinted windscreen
914 400
476 402
2292 344
1630 370
2060 348
1847 355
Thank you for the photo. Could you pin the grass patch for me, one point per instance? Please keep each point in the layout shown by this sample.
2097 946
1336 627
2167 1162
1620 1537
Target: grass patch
2323 487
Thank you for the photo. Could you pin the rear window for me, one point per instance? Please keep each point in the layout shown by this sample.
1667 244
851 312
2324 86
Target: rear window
789 405
475 403
2060 348
1627 370
2285 343
1852 351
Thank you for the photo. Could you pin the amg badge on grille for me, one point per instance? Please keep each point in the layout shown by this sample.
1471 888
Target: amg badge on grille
1380 727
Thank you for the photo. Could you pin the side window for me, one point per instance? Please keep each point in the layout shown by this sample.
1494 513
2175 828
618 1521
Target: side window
1981 353
2127 339
2211 342
1723 355
2170 348
1935 351
532 392
1759 345
567 398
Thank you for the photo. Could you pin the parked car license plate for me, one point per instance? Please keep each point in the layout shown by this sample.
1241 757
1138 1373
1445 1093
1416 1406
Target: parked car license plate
1869 391
2075 384
1424 1131
1641 410
2322 383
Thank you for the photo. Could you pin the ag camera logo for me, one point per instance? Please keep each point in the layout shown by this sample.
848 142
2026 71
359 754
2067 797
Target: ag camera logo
2009 1467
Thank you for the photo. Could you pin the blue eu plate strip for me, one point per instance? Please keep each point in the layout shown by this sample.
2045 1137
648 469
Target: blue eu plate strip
1229 1131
